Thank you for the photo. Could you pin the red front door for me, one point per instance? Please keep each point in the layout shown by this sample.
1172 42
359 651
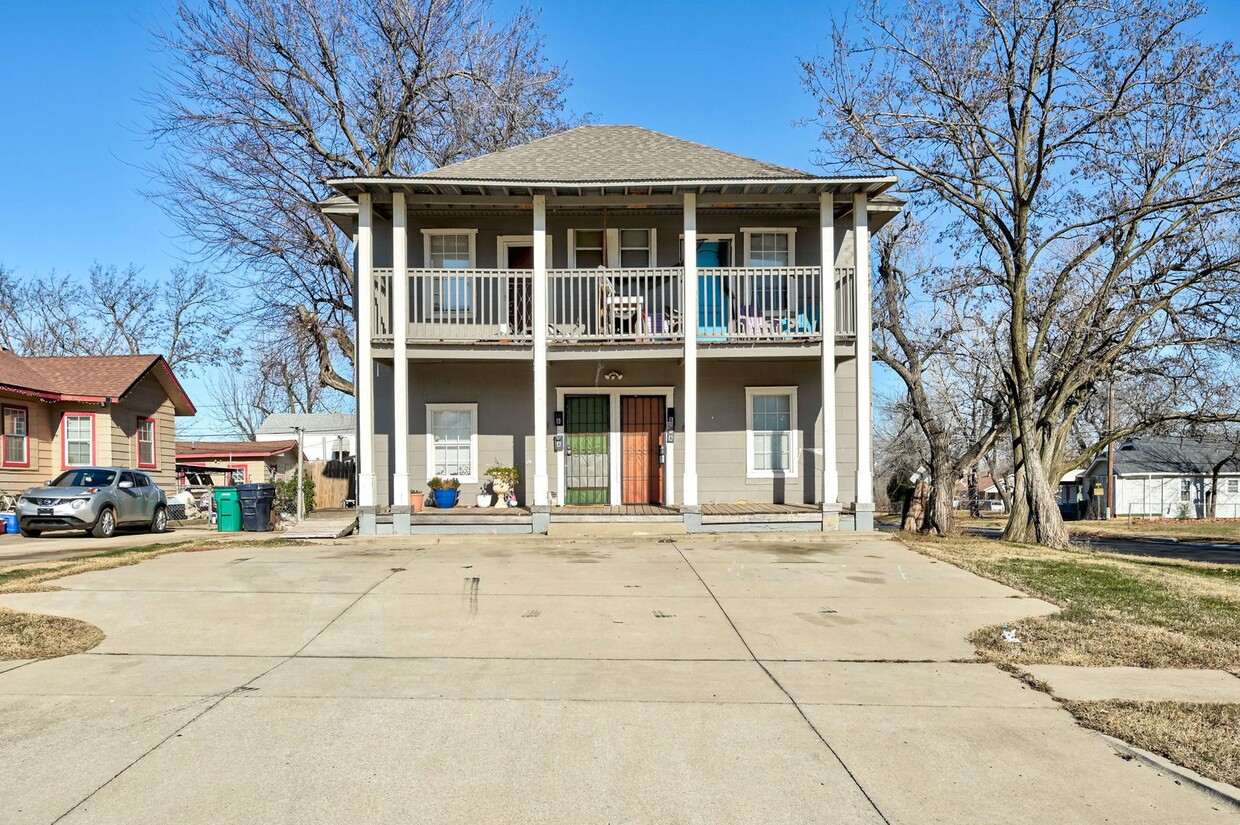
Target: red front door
641 448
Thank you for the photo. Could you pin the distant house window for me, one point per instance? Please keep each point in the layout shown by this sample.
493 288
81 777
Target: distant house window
771 431
146 443
1233 485
79 437
16 437
451 249
452 441
1186 490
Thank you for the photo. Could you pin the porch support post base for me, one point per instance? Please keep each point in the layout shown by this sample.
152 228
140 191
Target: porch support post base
864 516
366 522
830 517
692 515
540 517
401 523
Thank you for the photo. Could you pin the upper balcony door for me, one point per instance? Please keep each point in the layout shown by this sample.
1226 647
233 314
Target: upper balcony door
517 252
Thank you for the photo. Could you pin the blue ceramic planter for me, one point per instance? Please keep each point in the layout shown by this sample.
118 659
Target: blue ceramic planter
446 498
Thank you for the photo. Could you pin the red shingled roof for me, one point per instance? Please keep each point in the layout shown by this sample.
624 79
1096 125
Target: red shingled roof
232 449
98 378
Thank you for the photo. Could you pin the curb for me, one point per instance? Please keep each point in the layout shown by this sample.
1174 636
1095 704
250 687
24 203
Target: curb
1219 790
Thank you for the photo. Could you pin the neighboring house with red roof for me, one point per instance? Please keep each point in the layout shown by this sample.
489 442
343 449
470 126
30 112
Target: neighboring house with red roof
256 460
67 411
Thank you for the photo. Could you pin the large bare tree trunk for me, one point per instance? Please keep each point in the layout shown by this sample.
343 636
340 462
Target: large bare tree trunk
1035 515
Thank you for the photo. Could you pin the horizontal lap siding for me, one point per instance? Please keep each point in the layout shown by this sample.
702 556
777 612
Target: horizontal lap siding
44 464
147 400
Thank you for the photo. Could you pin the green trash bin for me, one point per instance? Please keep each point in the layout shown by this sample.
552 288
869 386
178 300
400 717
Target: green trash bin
227 510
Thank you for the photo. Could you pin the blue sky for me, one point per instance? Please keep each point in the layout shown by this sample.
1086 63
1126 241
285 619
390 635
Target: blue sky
723 73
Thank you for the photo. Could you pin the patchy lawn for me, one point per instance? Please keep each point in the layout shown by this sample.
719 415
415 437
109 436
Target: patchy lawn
1203 737
1223 531
1117 610
36 636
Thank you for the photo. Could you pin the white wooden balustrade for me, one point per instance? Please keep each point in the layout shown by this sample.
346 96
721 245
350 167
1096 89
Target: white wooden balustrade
621 306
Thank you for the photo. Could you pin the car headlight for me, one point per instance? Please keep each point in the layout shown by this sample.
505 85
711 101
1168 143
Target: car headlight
78 503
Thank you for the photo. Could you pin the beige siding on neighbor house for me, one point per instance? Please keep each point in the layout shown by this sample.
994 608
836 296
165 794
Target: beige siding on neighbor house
39 427
148 400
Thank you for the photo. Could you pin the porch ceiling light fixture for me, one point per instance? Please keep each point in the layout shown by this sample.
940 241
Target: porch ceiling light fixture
613 376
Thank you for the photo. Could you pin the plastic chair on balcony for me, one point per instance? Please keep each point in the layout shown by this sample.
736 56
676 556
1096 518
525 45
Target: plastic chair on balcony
752 322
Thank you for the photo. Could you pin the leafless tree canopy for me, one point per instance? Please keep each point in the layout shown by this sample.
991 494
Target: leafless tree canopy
117 312
266 98
283 378
1084 154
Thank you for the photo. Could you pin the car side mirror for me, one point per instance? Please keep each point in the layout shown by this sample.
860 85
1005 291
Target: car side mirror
125 485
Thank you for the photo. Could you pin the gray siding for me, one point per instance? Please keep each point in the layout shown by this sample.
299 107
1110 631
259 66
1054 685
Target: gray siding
504 394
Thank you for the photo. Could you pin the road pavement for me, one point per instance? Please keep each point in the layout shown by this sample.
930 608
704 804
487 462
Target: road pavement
689 680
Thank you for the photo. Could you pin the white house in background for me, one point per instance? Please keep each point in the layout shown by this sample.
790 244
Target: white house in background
1171 477
325 436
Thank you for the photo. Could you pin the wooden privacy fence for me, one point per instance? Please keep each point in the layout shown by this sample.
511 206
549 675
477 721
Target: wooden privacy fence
328 492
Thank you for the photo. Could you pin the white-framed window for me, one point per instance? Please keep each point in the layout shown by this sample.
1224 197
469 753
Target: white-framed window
78 434
450 249
452 441
771 432
770 246
1186 490
1233 485
16 437
630 248
146 443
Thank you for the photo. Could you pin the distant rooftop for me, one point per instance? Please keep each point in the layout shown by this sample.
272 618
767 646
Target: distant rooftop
1179 455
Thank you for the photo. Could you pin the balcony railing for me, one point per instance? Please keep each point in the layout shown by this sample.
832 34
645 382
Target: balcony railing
616 306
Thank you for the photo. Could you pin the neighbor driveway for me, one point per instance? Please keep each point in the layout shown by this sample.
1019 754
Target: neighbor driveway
711 680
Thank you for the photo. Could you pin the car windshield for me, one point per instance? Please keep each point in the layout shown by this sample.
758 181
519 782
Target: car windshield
85 478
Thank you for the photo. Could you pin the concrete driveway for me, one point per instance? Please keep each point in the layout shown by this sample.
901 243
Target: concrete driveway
707 680
17 549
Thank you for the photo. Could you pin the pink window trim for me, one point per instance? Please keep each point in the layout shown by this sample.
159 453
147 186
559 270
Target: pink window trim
64 441
4 409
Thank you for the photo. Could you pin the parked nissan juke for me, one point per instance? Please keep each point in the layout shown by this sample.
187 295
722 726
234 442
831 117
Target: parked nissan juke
94 499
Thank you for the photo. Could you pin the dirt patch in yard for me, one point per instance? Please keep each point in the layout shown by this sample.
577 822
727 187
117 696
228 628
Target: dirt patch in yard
1202 737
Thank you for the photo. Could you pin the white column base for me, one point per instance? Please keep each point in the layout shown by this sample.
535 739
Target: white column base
689 493
864 515
542 496
400 490
367 490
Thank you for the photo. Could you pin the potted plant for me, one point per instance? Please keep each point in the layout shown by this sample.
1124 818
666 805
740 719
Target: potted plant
503 479
416 500
483 498
445 491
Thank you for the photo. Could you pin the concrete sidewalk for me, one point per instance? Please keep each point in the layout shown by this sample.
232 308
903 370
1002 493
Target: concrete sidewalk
711 680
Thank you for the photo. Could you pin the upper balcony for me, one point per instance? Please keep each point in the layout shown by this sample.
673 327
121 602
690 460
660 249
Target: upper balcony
615 307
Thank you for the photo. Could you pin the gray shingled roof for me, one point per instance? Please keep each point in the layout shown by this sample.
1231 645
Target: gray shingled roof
611 153
282 423
1175 455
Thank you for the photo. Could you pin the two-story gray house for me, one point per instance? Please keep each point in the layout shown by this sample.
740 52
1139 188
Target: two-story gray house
641 324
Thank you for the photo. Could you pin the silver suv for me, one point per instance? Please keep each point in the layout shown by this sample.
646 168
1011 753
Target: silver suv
94 499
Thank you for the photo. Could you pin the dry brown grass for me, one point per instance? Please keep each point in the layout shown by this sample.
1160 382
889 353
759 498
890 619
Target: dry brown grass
1202 737
1118 610
1205 530
36 636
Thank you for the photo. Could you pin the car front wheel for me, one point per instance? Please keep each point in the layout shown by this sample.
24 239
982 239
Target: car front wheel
159 523
29 533
106 525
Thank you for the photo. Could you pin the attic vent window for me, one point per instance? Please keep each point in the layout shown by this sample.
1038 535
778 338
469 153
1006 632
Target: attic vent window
1128 448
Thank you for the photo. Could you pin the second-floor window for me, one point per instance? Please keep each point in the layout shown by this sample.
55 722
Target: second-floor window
592 248
451 249
766 248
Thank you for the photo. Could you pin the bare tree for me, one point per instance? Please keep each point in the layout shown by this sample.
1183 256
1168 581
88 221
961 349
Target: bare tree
118 312
924 332
1088 153
284 378
266 98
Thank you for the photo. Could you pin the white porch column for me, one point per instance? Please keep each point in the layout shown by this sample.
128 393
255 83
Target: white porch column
541 495
400 360
830 481
865 424
689 319
364 369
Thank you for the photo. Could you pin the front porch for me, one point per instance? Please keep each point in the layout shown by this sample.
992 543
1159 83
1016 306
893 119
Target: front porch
708 518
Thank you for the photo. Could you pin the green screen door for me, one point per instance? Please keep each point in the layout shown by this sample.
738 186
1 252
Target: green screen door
587 459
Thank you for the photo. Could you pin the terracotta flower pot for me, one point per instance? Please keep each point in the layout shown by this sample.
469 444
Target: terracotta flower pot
416 501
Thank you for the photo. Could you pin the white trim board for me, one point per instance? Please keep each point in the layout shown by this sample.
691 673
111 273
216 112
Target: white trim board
616 493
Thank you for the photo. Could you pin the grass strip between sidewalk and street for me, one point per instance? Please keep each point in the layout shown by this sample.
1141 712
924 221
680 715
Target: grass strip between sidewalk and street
1119 611
1192 530
38 636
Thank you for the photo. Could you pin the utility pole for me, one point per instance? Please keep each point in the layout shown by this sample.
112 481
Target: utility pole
1111 453
301 499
